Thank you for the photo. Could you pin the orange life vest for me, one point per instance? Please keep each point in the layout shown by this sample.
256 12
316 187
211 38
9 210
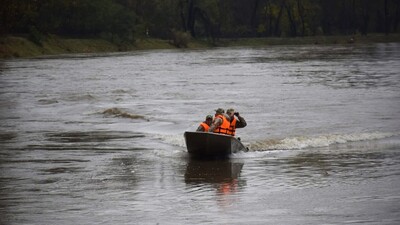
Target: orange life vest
205 126
232 127
226 127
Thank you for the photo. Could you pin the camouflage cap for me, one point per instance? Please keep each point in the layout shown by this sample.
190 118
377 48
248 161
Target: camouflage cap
209 117
220 110
230 110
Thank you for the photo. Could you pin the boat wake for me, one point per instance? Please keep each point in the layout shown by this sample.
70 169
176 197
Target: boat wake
116 112
294 143
302 142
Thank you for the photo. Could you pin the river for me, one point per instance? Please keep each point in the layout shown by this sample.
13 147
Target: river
98 138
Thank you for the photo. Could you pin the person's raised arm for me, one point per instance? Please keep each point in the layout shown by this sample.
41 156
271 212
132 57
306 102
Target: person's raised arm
241 121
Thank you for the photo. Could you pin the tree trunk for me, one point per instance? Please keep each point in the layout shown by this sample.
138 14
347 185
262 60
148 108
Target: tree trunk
191 17
208 26
268 18
254 18
396 17
300 8
293 27
386 17
182 15
277 22
353 17
365 17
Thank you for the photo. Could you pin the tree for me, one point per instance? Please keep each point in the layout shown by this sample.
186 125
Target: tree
121 19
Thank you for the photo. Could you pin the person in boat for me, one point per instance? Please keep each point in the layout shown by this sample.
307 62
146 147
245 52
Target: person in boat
236 121
227 123
205 125
220 122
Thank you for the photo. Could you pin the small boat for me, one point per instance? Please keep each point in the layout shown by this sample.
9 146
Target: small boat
204 144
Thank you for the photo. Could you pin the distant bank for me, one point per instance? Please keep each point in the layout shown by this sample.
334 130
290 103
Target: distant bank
21 47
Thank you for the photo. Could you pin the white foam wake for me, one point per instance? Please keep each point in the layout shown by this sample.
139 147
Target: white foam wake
316 141
292 143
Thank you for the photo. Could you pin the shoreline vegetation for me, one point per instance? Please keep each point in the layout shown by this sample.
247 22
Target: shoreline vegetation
41 28
23 47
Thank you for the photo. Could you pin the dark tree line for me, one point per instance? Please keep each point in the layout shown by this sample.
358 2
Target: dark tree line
126 19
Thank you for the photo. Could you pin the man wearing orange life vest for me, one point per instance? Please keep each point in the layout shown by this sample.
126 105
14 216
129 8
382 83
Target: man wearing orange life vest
227 123
205 125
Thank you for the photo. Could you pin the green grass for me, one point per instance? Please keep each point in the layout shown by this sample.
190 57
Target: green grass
323 40
14 47
21 47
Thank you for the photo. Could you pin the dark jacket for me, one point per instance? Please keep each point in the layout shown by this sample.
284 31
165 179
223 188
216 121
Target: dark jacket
241 122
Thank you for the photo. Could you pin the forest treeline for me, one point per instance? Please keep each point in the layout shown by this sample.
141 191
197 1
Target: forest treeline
125 20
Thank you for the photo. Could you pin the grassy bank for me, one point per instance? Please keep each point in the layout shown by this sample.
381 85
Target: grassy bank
15 47
314 40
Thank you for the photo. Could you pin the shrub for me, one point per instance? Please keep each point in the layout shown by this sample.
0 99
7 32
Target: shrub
35 36
180 39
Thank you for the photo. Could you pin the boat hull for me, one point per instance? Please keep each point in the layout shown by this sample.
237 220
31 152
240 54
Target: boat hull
211 144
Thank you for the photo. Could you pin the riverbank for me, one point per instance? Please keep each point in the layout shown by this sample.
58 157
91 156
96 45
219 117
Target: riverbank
313 40
21 47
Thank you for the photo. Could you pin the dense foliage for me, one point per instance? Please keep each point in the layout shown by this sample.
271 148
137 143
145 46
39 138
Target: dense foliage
121 20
